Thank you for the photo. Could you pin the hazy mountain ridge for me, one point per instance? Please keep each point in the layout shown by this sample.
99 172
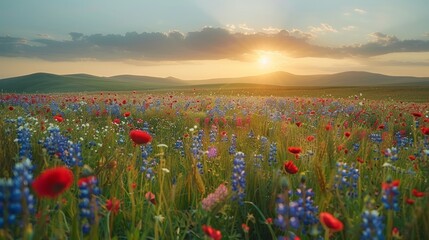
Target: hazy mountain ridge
47 82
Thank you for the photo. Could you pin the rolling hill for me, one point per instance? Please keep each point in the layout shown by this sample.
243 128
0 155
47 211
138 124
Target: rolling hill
46 82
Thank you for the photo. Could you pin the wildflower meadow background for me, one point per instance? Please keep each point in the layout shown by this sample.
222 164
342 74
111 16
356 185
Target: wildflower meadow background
193 165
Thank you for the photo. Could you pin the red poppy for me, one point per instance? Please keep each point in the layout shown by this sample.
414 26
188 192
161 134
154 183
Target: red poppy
11 108
425 130
395 233
359 159
290 167
150 197
245 228
328 127
410 201
127 114
269 221
116 121
347 134
417 114
299 124
212 233
412 157
330 222
417 193
310 138
394 183
140 137
53 182
294 150
58 118
113 205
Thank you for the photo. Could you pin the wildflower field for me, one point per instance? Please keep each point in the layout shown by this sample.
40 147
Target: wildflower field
195 165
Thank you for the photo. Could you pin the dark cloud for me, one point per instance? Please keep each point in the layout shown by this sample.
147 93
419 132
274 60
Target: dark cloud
209 43
383 44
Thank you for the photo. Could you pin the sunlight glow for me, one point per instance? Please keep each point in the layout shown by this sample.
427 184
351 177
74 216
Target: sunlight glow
264 60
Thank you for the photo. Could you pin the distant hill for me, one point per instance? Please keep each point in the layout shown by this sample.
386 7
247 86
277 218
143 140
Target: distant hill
324 80
46 82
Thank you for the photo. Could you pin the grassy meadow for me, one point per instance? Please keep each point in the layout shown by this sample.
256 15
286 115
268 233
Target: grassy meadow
216 163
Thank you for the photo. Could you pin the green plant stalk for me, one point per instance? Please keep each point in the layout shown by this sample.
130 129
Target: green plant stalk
389 225
273 235
161 193
327 233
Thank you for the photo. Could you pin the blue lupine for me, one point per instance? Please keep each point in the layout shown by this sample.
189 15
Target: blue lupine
239 177
376 138
403 141
146 128
113 110
286 218
148 165
392 154
24 140
233 147
307 211
179 146
346 179
16 200
390 197
213 134
196 149
55 142
272 155
258 159
88 202
251 134
372 222
356 147
264 144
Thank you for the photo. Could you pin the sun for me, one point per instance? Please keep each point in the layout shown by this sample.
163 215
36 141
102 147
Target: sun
263 60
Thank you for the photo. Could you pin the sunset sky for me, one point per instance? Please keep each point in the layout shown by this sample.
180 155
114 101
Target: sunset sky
199 39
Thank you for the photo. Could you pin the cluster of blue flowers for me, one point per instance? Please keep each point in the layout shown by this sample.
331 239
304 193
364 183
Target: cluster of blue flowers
24 139
272 155
233 147
88 202
148 165
16 200
403 141
239 177
346 179
372 222
113 110
301 213
376 138
57 144
392 154
179 146
390 197
257 160
213 134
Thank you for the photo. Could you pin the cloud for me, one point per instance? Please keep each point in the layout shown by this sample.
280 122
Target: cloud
41 35
384 44
206 44
349 28
324 27
360 11
383 39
